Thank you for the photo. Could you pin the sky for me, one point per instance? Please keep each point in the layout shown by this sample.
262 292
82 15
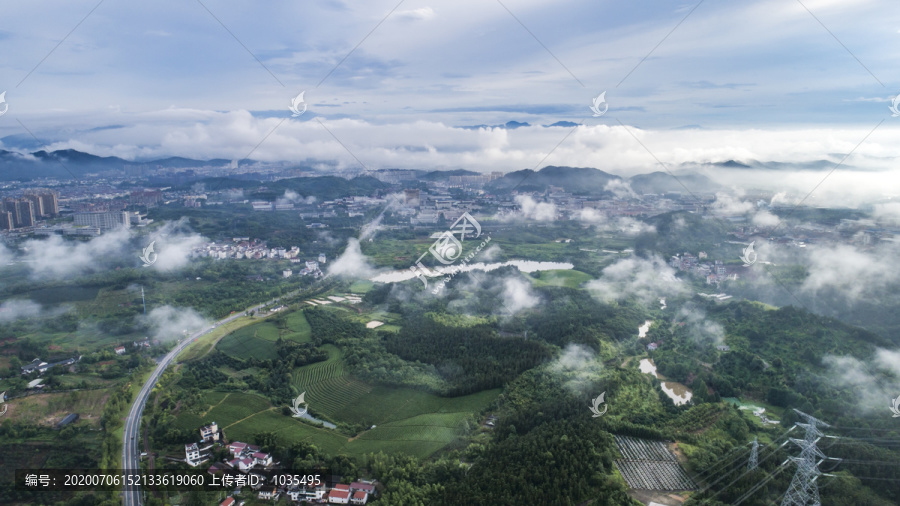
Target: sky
685 82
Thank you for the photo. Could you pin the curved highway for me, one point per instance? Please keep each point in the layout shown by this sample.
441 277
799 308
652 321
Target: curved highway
131 453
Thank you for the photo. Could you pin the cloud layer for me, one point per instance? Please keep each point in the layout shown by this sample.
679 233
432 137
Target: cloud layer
645 279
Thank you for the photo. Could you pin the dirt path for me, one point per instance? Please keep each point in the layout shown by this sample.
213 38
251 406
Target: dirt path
247 417
211 407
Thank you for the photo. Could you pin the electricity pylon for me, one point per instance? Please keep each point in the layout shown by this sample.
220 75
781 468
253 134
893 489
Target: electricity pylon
754 455
803 490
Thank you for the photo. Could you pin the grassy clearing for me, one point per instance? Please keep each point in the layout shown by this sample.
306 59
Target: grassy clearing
205 343
92 381
258 339
360 287
48 409
559 277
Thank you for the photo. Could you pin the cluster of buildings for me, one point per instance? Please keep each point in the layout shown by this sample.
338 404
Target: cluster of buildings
243 247
247 459
194 453
142 344
357 493
714 272
39 366
25 211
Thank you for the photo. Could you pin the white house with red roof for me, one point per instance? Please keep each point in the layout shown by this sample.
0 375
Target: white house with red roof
365 487
229 501
359 497
337 496
236 448
262 459
244 464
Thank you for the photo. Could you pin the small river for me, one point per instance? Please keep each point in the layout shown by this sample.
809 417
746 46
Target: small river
679 393
522 265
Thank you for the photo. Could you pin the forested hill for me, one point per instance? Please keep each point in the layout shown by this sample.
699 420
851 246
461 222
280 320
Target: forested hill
576 180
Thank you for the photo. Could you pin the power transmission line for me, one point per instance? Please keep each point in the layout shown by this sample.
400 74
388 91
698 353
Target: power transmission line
767 457
804 490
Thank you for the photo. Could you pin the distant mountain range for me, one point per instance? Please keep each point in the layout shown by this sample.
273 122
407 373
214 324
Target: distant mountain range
69 163
594 182
512 125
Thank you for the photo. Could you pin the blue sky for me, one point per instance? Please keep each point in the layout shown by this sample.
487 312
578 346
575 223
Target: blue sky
177 82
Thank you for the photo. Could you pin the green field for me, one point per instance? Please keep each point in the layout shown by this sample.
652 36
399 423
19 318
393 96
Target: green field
566 278
243 344
258 340
360 287
407 421
50 408
224 408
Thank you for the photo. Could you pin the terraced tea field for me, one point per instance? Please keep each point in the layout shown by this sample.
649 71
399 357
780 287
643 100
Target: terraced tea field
224 408
407 421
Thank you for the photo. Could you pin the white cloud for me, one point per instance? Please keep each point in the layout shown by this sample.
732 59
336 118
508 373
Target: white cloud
394 201
578 367
530 209
489 254
591 215
645 279
518 295
230 135
292 197
873 384
730 205
174 244
422 14
854 273
888 212
764 218
352 263
700 329
621 189
56 257
18 308
168 323
623 224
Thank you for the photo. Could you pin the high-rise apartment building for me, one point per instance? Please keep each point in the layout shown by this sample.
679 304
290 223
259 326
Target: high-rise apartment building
103 221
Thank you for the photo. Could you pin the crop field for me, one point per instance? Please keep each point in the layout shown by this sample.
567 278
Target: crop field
226 410
245 346
258 340
420 436
407 421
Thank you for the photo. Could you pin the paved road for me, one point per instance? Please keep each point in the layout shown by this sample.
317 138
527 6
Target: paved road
131 453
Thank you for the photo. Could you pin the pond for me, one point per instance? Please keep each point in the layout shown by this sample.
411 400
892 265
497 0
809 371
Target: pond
642 330
679 393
